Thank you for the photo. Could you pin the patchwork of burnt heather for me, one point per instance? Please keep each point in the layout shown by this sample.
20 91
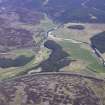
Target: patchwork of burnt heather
59 10
53 89
15 38
15 17
31 12
29 17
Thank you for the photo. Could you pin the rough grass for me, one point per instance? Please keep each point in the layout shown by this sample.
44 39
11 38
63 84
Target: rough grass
15 71
81 35
77 52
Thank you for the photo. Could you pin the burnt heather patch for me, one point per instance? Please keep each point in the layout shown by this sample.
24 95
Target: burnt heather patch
53 89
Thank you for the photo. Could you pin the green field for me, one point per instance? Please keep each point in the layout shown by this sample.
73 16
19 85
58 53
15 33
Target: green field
77 52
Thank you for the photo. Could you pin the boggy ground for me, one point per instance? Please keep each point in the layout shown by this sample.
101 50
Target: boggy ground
53 89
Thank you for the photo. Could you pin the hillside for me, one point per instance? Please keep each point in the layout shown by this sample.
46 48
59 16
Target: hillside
53 89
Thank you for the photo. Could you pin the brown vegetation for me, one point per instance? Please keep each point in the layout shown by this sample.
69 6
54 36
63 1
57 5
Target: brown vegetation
53 89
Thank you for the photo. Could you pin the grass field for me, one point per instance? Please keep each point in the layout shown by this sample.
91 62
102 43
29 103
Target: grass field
82 35
79 53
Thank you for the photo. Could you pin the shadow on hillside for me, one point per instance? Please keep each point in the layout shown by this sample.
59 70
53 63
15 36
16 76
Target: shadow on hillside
98 41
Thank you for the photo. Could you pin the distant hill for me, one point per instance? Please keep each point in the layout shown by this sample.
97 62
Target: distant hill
62 10
76 10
